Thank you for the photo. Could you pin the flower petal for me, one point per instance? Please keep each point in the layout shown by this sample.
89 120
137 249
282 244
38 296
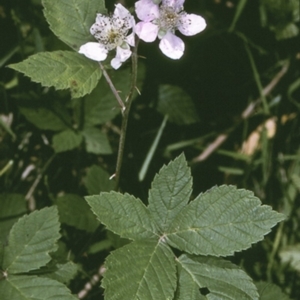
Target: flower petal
172 46
122 13
130 39
122 55
146 10
176 4
146 31
94 51
191 24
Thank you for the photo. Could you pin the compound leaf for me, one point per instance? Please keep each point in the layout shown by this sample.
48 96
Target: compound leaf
66 140
74 211
63 70
170 192
33 287
222 280
71 20
221 221
141 270
123 214
30 241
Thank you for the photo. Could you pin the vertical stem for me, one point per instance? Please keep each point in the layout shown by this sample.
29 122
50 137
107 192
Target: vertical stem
126 115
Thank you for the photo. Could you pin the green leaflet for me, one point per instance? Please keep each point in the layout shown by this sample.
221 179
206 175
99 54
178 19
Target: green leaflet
63 70
97 180
66 140
96 141
123 214
74 211
222 279
221 221
143 270
71 20
13 206
177 104
170 192
33 287
31 240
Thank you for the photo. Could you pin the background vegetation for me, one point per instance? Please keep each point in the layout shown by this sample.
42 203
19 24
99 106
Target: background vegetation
233 108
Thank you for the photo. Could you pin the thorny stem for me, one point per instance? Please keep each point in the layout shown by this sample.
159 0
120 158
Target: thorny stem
126 111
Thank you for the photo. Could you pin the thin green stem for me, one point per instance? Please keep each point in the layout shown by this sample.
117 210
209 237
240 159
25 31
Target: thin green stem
126 111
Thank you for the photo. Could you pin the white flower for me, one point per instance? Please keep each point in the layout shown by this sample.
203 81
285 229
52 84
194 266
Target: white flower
162 20
111 33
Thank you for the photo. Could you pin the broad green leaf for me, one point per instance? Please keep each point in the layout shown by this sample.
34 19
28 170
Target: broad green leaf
123 214
43 118
222 279
31 240
221 221
63 273
177 104
142 270
33 288
269 291
291 255
170 192
63 70
66 140
71 20
97 180
13 206
74 211
96 141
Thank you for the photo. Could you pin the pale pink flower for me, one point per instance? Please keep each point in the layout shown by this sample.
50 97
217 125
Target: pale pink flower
112 34
162 20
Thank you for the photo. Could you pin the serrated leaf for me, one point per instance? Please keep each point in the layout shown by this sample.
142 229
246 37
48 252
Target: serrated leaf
177 104
63 70
97 180
221 221
170 192
33 288
222 279
64 273
74 211
123 214
71 20
31 240
96 141
141 270
66 140
13 206
269 291
43 118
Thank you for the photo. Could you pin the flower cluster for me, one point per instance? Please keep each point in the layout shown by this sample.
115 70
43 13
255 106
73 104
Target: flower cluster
159 19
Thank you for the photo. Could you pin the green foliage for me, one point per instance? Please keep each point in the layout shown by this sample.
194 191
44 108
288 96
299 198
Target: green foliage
66 140
30 242
63 70
12 207
269 291
219 222
71 20
74 211
177 104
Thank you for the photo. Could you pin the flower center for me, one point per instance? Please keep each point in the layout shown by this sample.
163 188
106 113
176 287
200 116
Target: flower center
168 18
111 31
